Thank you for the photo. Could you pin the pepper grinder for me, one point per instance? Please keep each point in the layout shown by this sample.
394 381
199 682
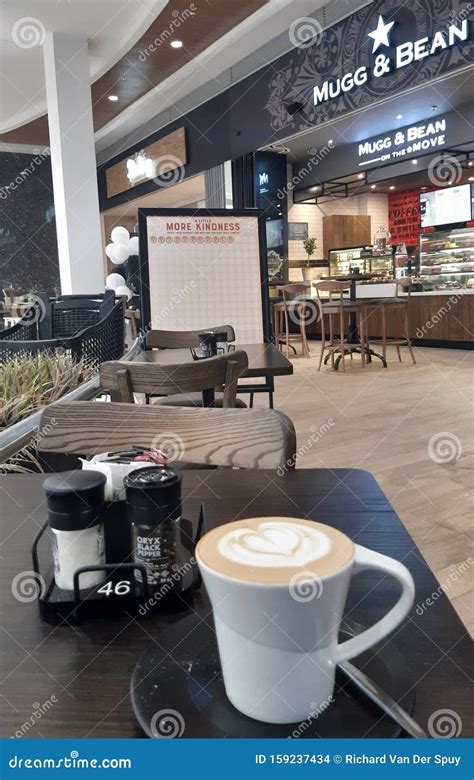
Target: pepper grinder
154 510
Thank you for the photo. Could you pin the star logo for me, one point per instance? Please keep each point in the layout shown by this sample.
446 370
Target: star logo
380 34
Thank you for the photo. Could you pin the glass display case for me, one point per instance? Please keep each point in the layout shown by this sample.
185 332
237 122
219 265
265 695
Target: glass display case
447 259
362 257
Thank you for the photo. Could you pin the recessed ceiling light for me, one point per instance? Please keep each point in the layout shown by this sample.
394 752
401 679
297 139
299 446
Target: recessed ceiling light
113 98
399 116
360 176
392 187
373 186
470 163
414 162
176 44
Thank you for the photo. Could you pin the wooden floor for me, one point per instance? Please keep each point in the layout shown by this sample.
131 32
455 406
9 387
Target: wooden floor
411 426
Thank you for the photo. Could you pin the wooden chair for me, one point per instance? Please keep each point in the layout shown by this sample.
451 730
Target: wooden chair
180 339
339 307
291 308
401 303
185 384
249 438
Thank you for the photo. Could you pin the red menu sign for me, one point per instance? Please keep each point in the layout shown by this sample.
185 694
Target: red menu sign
404 220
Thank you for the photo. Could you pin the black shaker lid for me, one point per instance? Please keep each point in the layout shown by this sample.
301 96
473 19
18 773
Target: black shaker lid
74 499
154 493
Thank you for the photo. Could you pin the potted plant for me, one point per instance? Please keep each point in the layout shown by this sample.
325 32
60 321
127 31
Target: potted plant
309 247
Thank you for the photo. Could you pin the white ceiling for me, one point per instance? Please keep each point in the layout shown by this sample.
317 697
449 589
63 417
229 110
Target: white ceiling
112 27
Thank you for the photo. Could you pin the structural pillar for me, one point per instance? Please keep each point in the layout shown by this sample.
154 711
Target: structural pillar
73 164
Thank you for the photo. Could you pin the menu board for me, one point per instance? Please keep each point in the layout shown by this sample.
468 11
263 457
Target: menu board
446 206
201 269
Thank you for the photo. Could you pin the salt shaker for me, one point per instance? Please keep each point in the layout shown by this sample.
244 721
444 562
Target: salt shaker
75 502
154 510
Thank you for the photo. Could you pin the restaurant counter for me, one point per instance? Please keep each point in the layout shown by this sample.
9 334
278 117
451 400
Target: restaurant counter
443 318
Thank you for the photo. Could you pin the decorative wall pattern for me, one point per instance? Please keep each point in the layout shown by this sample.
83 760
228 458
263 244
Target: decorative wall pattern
28 246
346 47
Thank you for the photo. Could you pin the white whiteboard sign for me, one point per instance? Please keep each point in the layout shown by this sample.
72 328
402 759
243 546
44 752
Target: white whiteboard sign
205 271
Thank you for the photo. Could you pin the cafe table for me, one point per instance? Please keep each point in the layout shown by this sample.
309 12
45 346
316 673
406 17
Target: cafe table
353 335
84 671
264 360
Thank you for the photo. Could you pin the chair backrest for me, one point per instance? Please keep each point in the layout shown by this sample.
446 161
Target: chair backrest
334 289
180 339
243 438
127 378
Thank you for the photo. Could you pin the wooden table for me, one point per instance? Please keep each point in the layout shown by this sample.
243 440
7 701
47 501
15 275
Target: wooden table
263 360
88 668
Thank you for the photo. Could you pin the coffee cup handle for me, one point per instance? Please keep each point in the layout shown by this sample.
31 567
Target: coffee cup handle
369 559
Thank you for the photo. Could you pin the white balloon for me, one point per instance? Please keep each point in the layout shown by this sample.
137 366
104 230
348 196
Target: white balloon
133 245
120 235
123 290
115 280
120 254
110 251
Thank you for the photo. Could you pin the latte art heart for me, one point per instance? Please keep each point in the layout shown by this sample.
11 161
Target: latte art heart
274 544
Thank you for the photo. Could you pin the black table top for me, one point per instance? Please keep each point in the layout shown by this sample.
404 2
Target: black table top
264 359
87 668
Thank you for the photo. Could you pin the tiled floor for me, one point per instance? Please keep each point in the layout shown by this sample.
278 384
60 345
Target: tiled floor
412 428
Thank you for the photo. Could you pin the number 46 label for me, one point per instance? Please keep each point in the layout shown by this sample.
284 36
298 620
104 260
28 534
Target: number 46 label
116 589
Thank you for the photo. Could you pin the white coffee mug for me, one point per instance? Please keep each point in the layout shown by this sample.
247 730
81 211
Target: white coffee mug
278 643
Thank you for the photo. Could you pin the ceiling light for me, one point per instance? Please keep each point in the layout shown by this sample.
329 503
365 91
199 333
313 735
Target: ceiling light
331 143
360 176
392 187
470 163
176 44
423 188
433 108
113 98
414 162
373 186
399 116
471 178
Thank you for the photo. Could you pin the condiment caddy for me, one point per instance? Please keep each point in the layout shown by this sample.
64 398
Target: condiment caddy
116 557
